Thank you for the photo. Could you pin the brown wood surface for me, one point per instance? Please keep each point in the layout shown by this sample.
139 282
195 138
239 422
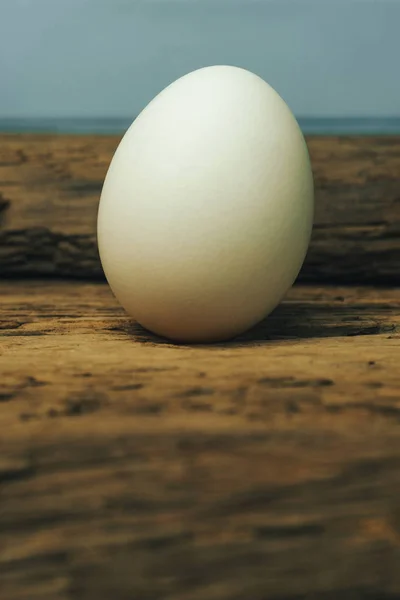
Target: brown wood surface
261 469
50 187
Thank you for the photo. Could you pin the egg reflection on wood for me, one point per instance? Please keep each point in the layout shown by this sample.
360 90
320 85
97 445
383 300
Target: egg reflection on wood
207 207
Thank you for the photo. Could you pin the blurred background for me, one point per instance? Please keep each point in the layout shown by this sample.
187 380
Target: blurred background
92 65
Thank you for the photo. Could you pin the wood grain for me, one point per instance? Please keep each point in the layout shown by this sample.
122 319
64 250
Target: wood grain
264 468
50 187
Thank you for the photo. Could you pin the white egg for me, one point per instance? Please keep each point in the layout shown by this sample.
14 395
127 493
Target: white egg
206 211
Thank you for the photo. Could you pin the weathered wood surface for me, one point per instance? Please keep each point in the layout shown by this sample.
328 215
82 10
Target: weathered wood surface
264 468
50 187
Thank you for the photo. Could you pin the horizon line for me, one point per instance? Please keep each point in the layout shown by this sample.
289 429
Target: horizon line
334 125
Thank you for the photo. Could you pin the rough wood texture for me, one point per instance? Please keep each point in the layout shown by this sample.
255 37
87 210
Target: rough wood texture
50 187
266 468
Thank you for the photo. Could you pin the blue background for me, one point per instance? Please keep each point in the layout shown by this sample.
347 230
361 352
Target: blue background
94 64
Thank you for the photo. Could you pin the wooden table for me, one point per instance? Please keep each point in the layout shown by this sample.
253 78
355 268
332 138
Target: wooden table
261 469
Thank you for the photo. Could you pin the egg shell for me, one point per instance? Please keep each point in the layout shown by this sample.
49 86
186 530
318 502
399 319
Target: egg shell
207 207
